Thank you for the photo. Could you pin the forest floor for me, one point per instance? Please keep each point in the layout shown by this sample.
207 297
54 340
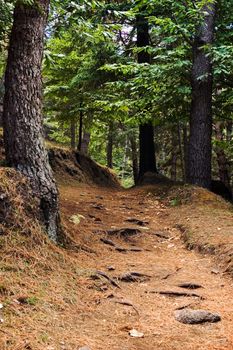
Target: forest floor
162 259
67 300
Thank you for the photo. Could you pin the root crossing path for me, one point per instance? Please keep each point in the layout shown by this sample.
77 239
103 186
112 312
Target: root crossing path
135 272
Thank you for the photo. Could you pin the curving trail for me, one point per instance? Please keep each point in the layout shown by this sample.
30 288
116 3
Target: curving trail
158 253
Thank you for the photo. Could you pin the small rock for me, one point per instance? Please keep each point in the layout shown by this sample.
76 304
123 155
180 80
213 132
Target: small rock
111 268
189 316
135 334
84 348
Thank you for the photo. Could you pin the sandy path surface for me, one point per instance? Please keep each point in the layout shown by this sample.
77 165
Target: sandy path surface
109 312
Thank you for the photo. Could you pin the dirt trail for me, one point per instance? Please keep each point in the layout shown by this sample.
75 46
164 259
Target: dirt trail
161 256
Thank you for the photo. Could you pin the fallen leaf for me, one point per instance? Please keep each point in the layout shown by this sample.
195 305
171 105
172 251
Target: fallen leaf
76 218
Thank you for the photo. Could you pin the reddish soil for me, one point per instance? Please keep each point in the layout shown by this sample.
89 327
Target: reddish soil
97 319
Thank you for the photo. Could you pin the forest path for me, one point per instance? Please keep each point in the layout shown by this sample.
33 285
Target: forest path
111 312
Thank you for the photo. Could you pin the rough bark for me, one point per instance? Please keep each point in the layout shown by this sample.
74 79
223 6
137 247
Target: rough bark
22 115
110 145
85 142
147 161
134 158
181 153
73 134
80 133
174 157
186 153
223 164
201 109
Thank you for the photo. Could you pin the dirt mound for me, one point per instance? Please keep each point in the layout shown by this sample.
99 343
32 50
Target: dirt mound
205 221
70 165
150 178
18 207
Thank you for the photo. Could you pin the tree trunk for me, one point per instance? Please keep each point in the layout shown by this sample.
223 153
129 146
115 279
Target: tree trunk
80 133
73 134
134 158
186 153
110 145
147 149
181 152
229 131
201 109
147 161
223 164
85 142
174 157
22 115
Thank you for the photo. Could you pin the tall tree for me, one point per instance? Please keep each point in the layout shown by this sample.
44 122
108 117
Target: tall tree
200 149
22 115
146 131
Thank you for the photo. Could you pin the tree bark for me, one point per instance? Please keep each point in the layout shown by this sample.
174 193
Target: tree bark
80 133
110 145
73 134
134 158
223 164
85 142
200 149
22 115
186 153
174 157
181 153
147 162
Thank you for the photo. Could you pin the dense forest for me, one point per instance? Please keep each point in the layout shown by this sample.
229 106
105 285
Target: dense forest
116 134
139 85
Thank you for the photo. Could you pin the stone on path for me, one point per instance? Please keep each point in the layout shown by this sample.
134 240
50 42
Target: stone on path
189 316
135 334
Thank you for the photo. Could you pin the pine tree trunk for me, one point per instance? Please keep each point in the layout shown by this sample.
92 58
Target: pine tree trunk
181 153
134 158
223 164
174 157
73 134
186 153
110 145
85 142
22 116
201 109
147 149
80 133
147 161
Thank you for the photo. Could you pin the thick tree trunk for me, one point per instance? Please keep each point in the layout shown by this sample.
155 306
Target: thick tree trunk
147 149
73 127
147 161
134 158
223 164
110 145
201 109
22 115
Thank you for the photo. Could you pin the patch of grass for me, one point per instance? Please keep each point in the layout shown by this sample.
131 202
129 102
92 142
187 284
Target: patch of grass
175 202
